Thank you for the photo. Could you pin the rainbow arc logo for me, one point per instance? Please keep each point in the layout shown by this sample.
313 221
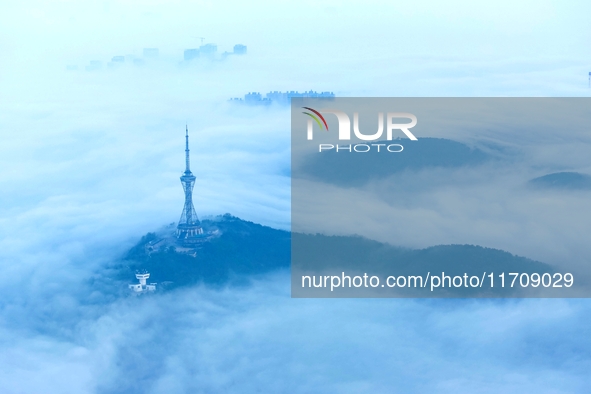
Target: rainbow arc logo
316 117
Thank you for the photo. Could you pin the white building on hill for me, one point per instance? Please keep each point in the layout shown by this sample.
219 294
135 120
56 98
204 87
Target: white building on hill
142 287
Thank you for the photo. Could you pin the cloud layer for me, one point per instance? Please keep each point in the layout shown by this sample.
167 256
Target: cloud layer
258 339
89 162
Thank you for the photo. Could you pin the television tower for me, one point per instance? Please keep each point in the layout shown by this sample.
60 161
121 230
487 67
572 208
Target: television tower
189 228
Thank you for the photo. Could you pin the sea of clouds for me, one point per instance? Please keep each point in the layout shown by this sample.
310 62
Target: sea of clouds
89 162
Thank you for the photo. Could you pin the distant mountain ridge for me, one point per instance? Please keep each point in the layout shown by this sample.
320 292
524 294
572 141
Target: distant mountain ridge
355 169
566 180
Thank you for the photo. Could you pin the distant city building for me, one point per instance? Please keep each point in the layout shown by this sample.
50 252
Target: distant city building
142 286
239 49
208 50
151 53
94 65
191 54
204 51
283 98
254 98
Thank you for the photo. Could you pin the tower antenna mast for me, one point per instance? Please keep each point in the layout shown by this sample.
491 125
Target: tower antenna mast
187 159
189 229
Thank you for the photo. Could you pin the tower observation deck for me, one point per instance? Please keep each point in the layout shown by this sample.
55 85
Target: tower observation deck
189 229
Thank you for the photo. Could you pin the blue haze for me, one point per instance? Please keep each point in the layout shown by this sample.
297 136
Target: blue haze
89 162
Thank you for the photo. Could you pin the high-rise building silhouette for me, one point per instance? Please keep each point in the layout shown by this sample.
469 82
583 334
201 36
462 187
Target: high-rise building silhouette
239 49
191 54
189 229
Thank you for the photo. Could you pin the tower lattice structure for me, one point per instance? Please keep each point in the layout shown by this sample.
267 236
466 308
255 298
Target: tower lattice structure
189 228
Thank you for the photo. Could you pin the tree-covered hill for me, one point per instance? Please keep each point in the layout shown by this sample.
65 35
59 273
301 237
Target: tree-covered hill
242 248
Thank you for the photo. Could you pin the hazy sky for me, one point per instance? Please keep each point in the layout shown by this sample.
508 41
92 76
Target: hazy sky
89 162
